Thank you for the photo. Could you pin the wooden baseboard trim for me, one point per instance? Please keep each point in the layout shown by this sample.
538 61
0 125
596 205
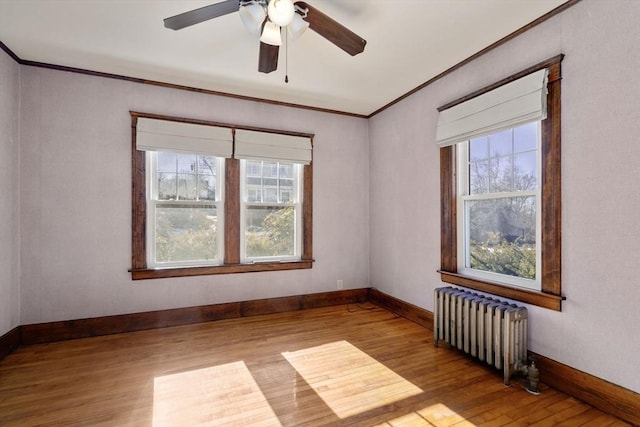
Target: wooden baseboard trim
607 397
83 328
411 312
9 342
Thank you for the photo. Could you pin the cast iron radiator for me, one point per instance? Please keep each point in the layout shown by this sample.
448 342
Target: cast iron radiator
486 328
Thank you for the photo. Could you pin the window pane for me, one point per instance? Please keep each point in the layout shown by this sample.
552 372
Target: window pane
207 165
270 231
500 174
254 168
525 137
525 171
479 177
207 187
500 143
285 196
479 148
270 194
253 195
167 189
186 233
187 186
501 236
286 190
269 169
187 163
286 170
166 162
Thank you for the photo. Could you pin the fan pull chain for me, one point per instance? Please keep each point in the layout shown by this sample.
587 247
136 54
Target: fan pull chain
286 56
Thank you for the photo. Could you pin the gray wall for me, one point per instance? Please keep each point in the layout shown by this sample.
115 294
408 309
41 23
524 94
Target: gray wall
76 198
597 330
9 194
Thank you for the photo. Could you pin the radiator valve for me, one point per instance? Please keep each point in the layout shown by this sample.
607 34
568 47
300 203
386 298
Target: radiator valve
533 378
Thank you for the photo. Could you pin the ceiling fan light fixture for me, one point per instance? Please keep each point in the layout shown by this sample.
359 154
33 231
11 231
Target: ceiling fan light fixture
271 34
297 26
281 12
252 16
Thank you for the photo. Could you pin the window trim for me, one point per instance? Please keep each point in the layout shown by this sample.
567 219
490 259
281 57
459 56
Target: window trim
550 295
231 264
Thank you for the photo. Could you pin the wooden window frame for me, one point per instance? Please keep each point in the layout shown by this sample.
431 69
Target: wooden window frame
231 264
550 295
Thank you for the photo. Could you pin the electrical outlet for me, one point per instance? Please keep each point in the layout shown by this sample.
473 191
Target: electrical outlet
340 284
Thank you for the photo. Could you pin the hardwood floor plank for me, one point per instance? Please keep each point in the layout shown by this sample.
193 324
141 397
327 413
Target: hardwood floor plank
350 365
595 418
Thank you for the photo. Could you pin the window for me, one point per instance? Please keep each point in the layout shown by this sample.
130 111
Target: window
213 199
500 191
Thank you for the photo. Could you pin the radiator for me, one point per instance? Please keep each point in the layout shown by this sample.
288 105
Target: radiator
491 330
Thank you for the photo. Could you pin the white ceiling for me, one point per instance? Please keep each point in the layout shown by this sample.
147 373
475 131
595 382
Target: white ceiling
408 43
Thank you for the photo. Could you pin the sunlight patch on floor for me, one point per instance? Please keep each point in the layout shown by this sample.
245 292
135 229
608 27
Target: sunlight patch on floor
214 396
348 380
438 415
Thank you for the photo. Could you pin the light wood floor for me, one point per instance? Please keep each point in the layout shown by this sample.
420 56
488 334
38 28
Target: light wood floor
348 365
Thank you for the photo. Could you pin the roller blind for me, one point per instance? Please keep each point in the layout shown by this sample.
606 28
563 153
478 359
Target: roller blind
256 145
165 135
515 103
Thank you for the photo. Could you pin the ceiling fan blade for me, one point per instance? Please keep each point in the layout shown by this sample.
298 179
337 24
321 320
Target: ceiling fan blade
268 60
202 14
333 31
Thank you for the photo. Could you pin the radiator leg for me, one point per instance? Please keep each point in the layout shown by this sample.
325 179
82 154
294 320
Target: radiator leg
436 312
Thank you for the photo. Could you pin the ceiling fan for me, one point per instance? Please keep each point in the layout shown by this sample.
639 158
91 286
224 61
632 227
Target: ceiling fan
267 18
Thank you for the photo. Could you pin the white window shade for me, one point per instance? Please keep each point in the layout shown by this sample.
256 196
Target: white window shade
165 135
515 103
254 145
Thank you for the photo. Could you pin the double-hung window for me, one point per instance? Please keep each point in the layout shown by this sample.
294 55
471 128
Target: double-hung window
212 198
185 215
498 213
271 210
500 187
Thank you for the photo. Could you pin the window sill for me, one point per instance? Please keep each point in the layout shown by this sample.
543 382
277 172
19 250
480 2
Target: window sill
541 299
162 273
